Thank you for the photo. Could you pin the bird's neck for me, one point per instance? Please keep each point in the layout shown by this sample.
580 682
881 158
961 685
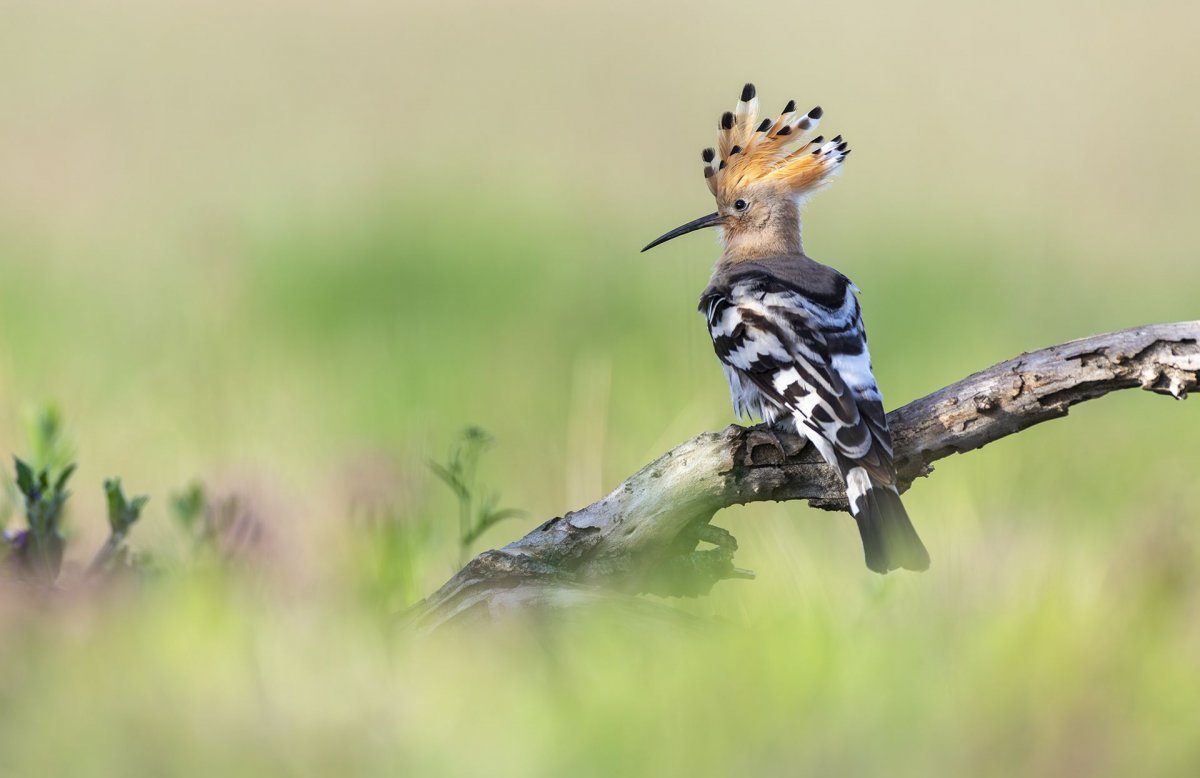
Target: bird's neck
779 237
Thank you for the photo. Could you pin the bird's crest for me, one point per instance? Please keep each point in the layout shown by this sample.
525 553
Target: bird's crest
750 150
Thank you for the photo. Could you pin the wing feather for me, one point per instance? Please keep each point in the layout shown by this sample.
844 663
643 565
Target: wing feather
807 359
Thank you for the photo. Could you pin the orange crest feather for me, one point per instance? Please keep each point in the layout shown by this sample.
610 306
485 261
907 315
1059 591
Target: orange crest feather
749 151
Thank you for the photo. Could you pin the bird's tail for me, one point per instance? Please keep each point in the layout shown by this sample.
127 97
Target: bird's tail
889 539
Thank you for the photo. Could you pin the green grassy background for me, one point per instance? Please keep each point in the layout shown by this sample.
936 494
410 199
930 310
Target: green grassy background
292 249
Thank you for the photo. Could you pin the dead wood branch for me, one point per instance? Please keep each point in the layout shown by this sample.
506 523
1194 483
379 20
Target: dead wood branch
643 537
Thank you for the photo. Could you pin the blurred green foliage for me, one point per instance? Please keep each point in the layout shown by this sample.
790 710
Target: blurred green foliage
36 552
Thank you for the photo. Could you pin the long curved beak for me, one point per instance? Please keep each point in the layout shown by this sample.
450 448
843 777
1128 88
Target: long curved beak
712 220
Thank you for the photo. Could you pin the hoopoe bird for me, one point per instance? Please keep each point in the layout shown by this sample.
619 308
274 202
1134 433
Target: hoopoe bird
787 329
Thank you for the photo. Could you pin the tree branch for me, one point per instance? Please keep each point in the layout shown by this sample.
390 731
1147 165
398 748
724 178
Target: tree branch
643 536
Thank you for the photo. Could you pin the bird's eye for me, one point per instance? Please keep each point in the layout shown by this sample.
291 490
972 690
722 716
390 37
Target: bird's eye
740 205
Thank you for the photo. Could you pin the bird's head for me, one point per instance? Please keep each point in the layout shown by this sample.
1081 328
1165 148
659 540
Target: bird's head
760 178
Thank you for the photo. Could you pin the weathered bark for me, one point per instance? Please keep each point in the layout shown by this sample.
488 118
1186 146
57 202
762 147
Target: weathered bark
643 536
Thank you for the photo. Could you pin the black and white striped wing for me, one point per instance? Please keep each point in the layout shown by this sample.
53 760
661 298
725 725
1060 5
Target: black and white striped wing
808 358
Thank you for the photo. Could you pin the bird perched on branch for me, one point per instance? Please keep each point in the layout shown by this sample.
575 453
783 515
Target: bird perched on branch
787 329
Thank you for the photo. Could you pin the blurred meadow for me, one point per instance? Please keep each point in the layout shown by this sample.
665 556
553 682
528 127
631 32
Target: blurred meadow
291 249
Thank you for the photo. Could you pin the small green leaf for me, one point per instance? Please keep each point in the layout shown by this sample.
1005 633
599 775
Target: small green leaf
25 479
61 483
502 514
451 479
116 504
122 513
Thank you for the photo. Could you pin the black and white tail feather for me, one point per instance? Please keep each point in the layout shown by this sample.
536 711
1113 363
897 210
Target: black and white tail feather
789 333
889 539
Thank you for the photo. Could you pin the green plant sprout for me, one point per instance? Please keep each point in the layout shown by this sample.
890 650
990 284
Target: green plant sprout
123 513
39 548
477 510
191 511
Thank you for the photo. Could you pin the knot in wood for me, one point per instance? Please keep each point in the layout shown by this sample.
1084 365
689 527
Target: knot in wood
985 403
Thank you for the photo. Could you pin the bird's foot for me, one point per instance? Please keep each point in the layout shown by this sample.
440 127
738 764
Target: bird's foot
772 444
